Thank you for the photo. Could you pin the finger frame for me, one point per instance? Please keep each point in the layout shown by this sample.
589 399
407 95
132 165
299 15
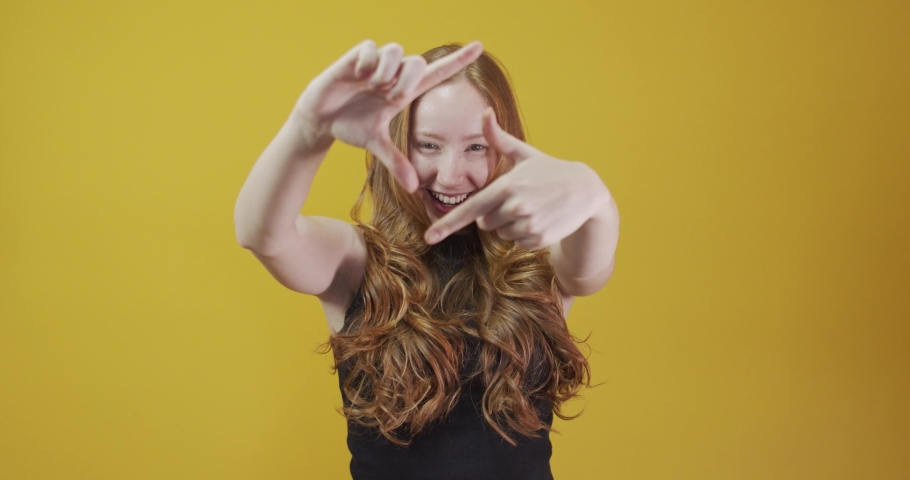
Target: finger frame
395 161
365 59
478 205
510 211
522 233
502 141
412 70
390 56
440 70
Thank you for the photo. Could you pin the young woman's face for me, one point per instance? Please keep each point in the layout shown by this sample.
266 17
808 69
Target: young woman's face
448 150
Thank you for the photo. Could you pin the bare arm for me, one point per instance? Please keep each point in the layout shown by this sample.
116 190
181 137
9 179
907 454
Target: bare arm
302 253
544 202
584 260
353 100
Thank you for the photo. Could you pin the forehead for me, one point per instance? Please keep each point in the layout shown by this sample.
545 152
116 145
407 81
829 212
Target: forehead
452 107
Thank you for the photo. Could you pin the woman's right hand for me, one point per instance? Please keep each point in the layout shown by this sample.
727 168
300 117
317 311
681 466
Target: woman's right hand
356 97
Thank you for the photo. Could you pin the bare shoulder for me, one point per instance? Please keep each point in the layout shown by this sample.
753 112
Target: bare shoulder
340 293
326 258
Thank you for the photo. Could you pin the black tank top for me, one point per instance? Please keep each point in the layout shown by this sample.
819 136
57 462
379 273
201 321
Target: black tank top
461 446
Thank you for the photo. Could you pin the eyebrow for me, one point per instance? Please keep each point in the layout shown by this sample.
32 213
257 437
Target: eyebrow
438 137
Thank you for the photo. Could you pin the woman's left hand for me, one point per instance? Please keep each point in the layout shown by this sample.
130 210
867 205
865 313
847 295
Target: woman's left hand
541 201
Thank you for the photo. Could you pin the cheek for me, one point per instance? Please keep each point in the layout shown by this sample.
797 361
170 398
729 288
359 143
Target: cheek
422 168
480 173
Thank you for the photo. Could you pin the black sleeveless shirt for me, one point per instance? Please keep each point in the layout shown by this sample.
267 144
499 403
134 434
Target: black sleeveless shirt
461 446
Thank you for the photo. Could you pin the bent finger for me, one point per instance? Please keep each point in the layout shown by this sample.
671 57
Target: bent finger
395 161
366 59
473 208
511 231
529 243
495 219
390 56
521 234
412 69
502 141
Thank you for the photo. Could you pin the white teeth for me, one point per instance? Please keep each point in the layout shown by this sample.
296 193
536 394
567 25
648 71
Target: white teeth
449 200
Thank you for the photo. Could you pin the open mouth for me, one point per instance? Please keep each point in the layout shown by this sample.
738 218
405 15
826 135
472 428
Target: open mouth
449 201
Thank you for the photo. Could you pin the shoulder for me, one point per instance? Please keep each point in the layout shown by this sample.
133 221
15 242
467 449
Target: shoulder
349 275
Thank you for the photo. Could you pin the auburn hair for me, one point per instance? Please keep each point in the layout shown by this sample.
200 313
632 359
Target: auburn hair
405 350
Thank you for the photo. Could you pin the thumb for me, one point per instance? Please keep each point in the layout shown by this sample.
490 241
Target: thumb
395 161
502 141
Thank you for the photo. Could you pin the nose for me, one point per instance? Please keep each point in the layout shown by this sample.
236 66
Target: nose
451 169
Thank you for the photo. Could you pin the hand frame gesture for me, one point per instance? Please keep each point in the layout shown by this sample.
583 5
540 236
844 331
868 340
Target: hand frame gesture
356 97
539 202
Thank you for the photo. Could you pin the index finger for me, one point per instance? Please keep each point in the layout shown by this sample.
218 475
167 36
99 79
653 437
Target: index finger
397 164
462 216
440 70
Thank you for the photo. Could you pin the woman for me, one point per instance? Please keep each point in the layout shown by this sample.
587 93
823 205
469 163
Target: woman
447 310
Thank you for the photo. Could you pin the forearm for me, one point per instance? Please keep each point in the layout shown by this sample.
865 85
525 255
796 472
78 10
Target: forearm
584 260
277 186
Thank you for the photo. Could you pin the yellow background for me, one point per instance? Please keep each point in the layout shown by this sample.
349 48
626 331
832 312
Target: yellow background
756 326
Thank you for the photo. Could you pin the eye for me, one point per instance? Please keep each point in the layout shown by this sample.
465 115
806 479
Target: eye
477 147
426 145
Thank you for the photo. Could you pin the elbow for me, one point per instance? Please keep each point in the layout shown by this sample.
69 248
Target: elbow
246 243
248 237
262 243
257 244
582 287
249 231
243 234
252 233
242 229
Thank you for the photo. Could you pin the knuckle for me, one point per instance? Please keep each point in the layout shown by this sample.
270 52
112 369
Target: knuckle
415 61
432 77
525 243
366 47
516 209
545 240
522 209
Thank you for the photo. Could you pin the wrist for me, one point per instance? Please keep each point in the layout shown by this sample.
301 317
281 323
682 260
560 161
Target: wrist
603 205
596 190
308 134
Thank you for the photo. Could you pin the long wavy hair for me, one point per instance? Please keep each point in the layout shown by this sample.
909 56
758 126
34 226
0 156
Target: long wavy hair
405 351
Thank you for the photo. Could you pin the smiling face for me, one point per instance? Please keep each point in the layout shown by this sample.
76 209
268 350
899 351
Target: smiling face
448 150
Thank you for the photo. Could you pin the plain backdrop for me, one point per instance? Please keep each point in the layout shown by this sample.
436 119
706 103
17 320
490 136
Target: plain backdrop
756 325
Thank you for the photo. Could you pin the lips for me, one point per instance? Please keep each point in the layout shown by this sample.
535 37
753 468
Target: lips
453 199
440 200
